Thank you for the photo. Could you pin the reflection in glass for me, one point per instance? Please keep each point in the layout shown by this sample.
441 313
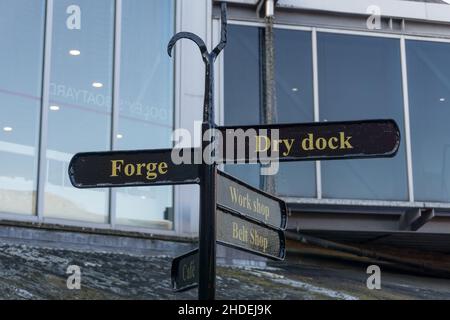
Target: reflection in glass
429 103
294 105
146 105
242 89
360 78
294 97
79 116
21 28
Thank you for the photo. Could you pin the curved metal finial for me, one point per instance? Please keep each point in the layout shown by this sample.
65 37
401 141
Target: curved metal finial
199 42
223 33
190 36
208 59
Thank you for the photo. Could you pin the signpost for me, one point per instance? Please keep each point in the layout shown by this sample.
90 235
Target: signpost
232 213
313 141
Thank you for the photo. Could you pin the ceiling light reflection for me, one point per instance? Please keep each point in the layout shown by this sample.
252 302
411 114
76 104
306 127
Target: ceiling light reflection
74 52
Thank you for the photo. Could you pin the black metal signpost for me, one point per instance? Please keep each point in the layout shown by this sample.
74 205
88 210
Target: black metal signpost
232 213
207 230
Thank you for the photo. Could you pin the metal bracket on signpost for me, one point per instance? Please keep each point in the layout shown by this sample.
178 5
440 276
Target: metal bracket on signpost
207 232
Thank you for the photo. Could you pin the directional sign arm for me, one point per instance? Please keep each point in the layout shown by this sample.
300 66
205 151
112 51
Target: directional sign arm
184 272
132 168
254 237
234 195
312 141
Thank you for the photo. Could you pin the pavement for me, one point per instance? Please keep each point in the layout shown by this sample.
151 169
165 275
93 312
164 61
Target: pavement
28 272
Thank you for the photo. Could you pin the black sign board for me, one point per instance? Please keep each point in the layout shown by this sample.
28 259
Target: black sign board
312 141
185 271
131 168
238 197
237 232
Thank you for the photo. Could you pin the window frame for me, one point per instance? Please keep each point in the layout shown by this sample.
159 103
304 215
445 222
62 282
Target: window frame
402 38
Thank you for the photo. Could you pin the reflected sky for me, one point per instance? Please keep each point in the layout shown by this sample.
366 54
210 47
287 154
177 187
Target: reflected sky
146 111
295 104
21 34
429 90
75 122
360 78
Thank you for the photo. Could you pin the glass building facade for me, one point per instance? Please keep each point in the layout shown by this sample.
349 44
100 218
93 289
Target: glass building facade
81 76
85 75
357 77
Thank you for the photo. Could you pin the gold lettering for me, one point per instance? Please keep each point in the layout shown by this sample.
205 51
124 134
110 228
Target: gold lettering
259 139
276 145
163 167
258 240
139 169
151 174
235 230
129 170
115 167
345 144
188 271
153 169
288 143
321 143
308 143
331 145
233 193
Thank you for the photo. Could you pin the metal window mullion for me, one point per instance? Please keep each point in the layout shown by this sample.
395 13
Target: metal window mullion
177 191
407 119
45 103
115 99
316 106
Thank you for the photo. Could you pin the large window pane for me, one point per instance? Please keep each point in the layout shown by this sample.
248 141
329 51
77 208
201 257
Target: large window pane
294 96
294 104
21 36
429 103
80 108
146 104
360 78
242 89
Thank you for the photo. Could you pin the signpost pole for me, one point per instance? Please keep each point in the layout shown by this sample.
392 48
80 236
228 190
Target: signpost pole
207 232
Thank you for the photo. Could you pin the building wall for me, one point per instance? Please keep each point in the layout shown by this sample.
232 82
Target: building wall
82 76
94 76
